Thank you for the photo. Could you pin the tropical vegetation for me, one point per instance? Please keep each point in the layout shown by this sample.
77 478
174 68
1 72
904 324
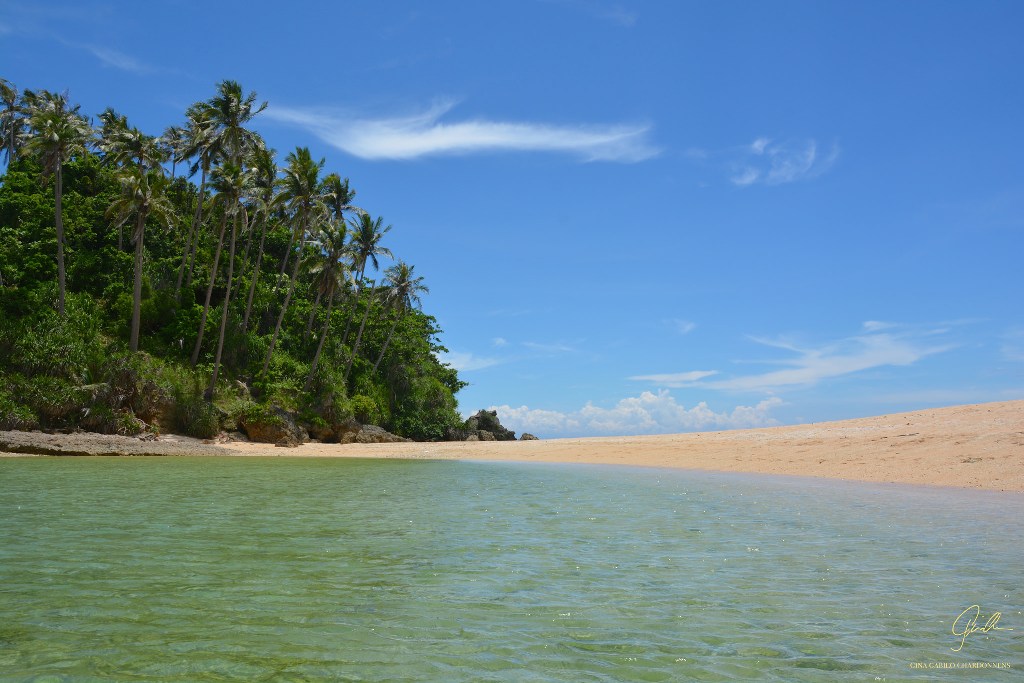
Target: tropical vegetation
180 281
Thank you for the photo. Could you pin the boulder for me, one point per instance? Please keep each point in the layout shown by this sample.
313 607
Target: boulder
484 435
371 434
487 421
272 425
528 437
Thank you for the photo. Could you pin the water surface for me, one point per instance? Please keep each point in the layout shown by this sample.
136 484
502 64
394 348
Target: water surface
210 569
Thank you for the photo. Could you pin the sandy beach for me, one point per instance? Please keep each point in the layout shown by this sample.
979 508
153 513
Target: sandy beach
975 446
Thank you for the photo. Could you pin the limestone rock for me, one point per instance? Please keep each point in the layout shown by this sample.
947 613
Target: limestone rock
487 421
272 425
528 437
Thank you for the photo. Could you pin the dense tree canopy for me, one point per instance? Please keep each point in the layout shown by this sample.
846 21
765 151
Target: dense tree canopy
243 285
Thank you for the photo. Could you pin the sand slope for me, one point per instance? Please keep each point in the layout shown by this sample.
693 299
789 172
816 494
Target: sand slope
977 446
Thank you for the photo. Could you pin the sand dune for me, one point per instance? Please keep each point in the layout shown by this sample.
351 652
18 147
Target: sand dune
976 446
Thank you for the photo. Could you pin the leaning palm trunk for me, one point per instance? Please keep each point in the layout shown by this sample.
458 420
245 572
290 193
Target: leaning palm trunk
359 335
255 276
193 237
320 345
140 227
58 195
387 342
284 306
212 389
209 291
312 316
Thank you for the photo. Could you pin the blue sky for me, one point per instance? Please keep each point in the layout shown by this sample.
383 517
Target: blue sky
636 217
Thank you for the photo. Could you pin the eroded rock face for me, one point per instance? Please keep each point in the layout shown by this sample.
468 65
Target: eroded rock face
275 425
486 422
371 434
528 437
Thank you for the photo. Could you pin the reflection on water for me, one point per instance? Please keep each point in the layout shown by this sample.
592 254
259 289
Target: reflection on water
179 569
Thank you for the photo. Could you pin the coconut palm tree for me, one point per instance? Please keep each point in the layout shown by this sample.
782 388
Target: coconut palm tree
329 274
300 193
128 147
266 202
59 133
173 143
12 120
404 290
229 111
142 196
199 144
338 197
366 236
231 182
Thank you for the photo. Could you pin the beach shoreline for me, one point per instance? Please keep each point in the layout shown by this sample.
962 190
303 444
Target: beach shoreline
977 446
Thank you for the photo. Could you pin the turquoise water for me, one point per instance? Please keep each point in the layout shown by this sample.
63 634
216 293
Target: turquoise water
236 569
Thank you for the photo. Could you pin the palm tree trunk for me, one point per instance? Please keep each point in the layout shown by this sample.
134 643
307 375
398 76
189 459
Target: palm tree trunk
255 276
140 227
209 291
359 336
224 314
198 226
284 306
312 314
193 233
320 345
58 195
387 342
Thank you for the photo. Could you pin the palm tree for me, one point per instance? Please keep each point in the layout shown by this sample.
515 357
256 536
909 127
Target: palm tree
231 182
198 143
266 201
404 290
141 196
328 278
173 142
300 192
12 121
338 197
127 147
366 236
229 110
59 133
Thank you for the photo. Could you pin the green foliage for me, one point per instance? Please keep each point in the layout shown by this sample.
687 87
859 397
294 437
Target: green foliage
73 370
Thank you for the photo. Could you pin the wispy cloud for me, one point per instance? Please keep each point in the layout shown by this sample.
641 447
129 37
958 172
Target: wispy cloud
648 413
118 60
775 163
467 362
425 134
766 161
683 327
675 380
811 365
555 347
843 357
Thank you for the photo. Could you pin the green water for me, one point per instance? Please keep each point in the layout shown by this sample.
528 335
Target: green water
235 569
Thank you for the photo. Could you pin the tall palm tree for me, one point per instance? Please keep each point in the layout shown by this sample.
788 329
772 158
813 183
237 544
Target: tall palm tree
127 147
266 202
173 142
59 133
231 182
142 196
12 120
404 289
229 111
338 196
199 144
328 278
300 192
366 236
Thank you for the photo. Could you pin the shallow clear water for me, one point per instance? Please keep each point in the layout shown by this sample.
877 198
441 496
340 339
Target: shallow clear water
180 569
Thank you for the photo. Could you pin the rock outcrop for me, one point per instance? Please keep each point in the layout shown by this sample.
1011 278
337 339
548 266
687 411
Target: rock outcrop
486 427
272 425
528 437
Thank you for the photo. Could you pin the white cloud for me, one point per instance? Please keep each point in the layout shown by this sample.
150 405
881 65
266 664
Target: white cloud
118 60
676 380
465 362
876 325
683 327
648 413
424 134
499 342
556 347
775 163
843 357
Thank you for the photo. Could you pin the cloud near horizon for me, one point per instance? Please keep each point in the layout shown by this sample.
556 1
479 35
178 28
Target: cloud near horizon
425 134
813 364
768 162
648 413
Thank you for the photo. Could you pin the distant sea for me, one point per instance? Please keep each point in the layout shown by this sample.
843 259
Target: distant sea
274 569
